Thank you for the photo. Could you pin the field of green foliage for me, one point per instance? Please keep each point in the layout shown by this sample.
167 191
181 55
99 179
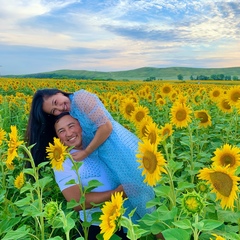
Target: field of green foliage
190 155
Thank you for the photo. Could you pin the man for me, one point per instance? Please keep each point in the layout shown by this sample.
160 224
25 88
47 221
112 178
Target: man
69 131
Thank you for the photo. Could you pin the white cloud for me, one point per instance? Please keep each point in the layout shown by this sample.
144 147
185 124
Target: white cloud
125 33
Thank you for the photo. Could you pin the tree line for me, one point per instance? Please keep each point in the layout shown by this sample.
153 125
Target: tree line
214 77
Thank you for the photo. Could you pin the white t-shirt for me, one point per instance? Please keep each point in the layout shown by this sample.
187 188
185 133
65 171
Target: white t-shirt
91 169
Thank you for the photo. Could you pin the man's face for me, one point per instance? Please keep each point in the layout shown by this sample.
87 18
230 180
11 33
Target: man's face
69 131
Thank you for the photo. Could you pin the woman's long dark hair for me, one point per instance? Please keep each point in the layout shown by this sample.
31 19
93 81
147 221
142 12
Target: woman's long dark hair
40 128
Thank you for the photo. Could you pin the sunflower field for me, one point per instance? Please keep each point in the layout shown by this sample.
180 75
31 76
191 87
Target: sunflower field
189 153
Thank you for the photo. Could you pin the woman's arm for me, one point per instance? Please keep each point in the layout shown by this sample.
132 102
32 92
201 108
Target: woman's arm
100 137
73 192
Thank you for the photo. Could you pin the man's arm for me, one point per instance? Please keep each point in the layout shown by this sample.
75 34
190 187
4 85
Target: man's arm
73 192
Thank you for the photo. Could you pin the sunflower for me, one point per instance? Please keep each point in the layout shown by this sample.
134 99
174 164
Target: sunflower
2 136
57 153
217 237
158 95
223 182
182 99
173 96
166 89
180 115
152 162
149 97
142 127
192 203
224 105
202 187
112 211
227 155
153 133
139 113
205 118
215 94
160 102
233 95
51 210
19 181
13 145
127 107
146 89
113 98
197 98
166 131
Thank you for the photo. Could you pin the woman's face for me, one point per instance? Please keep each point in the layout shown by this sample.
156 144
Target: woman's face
56 104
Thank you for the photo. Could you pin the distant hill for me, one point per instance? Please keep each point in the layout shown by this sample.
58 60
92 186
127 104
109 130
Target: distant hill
136 74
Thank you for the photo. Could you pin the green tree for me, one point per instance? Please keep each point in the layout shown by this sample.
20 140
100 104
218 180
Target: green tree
180 77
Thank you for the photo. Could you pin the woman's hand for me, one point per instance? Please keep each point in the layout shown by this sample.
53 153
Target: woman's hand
120 189
79 155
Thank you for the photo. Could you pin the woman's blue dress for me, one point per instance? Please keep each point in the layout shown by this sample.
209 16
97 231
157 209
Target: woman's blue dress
118 151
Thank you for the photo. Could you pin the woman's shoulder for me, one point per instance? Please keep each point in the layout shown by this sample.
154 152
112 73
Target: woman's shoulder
82 93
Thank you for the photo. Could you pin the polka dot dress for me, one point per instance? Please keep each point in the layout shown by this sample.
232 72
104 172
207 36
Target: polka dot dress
118 151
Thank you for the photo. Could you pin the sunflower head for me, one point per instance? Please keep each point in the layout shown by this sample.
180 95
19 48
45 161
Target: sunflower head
139 113
227 155
127 107
166 89
223 183
192 203
204 117
160 102
166 131
217 237
180 115
153 133
202 187
57 154
112 212
151 161
142 127
233 95
215 94
50 210
2 136
19 181
13 145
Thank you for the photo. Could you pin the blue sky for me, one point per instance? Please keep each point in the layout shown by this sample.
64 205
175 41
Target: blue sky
115 35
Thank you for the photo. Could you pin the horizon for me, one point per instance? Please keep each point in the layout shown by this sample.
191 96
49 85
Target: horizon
110 36
107 71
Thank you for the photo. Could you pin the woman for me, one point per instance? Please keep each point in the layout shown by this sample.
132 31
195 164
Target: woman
101 134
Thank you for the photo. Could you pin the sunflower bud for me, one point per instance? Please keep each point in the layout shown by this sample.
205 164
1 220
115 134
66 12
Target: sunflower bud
192 203
51 210
202 187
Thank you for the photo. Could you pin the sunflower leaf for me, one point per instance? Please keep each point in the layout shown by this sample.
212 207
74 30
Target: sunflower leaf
209 224
91 185
183 224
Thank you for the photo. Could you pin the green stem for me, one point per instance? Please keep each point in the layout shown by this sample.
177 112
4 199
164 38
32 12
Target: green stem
38 190
238 210
65 223
172 196
3 176
128 223
83 205
191 153
195 232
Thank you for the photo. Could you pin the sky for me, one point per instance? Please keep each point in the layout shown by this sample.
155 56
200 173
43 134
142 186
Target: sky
116 35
